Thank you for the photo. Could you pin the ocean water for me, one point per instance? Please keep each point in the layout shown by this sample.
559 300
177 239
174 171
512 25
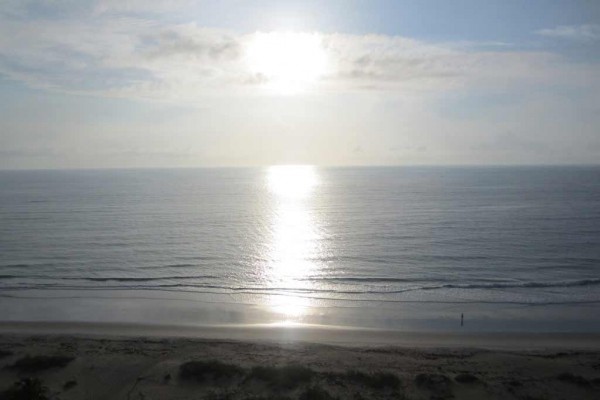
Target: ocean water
513 248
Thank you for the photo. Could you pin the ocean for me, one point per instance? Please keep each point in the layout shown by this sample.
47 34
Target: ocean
405 248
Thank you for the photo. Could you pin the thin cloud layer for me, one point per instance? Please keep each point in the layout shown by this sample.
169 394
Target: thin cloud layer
589 32
106 51
225 97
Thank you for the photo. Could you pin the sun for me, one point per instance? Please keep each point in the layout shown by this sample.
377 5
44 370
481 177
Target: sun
291 181
289 62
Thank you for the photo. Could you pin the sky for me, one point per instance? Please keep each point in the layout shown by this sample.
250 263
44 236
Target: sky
180 83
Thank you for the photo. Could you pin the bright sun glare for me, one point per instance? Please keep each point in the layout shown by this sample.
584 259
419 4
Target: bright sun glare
295 234
290 62
292 181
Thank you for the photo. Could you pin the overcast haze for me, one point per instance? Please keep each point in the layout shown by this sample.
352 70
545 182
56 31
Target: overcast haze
96 84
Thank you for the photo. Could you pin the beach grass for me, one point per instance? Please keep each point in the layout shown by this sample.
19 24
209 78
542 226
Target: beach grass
40 363
26 389
145 368
202 371
282 378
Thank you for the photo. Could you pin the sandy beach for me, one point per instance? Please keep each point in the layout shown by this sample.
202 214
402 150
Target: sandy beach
89 361
299 200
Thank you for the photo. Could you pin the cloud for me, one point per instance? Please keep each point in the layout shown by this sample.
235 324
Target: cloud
584 33
139 6
114 49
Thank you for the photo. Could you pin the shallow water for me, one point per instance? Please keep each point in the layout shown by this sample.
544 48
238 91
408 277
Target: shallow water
375 247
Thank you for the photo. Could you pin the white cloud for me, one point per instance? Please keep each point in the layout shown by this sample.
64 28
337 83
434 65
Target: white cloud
139 6
588 32
108 51
382 100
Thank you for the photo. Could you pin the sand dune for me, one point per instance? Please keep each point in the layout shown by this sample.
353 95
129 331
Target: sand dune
109 367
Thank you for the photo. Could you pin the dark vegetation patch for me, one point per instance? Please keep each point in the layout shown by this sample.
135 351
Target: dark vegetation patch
219 396
40 363
231 395
449 355
282 378
267 398
69 384
26 389
436 383
202 371
377 380
466 378
513 383
574 379
316 393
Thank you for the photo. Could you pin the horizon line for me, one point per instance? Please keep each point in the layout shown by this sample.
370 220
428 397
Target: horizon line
566 165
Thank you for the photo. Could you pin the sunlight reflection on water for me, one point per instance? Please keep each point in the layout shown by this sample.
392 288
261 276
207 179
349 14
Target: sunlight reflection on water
295 236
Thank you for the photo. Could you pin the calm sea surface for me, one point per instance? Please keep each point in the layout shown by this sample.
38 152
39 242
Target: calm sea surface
376 247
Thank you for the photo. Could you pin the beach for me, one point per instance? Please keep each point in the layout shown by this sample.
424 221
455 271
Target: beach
299 200
104 361
353 283
392 248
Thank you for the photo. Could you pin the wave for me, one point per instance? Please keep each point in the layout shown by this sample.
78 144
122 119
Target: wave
23 265
23 295
508 285
182 265
365 279
291 290
148 279
109 279
71 262
493 284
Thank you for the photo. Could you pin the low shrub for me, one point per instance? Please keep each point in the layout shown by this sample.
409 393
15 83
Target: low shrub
40 363
201 371
282 378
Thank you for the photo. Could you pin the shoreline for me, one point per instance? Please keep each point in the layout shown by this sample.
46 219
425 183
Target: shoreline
313 334
193 310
